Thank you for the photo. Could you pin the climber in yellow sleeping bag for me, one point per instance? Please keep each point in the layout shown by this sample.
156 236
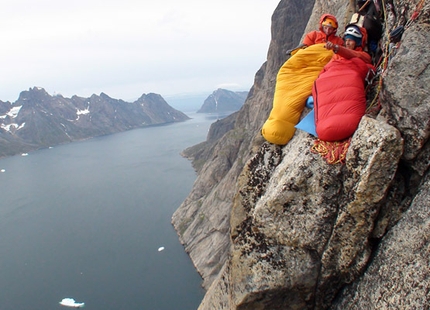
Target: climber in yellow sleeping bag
293 86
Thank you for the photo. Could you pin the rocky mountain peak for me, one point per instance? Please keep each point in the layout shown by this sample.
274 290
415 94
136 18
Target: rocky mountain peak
222 100
35 93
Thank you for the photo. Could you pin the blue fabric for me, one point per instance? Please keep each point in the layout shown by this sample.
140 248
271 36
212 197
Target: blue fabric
308 123
310 102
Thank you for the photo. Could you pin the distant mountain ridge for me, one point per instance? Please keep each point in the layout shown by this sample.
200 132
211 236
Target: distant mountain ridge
222 100
38 120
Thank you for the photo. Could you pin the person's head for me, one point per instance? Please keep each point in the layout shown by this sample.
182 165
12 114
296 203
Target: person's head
329 25
352 37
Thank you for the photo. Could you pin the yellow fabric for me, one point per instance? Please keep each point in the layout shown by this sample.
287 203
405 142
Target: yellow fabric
293 86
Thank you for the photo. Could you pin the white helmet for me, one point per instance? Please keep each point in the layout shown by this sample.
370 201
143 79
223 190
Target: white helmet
353 31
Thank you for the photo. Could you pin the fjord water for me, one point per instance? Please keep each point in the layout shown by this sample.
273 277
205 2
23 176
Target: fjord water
85 221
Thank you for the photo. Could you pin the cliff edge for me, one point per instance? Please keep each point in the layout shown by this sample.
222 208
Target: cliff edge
272 227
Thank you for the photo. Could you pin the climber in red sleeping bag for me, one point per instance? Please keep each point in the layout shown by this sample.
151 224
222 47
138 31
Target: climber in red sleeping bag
339 92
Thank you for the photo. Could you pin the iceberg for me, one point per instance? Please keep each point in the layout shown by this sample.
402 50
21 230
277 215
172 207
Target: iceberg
161 248
70 302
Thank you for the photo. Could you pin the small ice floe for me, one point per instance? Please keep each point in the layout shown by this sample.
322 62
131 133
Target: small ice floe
24 154
161 248
70 302
3 170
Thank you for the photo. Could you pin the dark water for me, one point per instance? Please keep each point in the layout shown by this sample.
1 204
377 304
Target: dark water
85 221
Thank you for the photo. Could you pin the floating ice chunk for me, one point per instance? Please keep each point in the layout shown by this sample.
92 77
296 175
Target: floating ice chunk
70 302
3 170
24 154
161 248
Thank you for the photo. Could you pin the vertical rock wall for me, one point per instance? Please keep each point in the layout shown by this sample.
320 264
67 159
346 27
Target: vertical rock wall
279 228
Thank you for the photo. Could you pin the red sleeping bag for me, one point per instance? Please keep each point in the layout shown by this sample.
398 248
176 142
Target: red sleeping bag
340 98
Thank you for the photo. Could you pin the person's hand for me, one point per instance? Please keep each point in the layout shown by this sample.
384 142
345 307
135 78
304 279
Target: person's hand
329 45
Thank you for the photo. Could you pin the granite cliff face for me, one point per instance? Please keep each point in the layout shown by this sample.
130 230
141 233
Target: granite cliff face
202 221
272 227
37 119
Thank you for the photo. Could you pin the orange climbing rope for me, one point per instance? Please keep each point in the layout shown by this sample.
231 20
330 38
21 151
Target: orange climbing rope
332 152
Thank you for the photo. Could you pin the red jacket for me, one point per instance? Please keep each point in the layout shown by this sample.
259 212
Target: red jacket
318 36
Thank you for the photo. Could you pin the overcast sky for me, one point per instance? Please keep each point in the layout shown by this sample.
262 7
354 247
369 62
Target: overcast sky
126 48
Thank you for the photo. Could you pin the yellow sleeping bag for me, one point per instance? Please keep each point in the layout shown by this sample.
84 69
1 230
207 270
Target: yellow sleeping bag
293 86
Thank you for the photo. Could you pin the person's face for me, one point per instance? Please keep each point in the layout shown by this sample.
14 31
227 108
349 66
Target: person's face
328 30
350 44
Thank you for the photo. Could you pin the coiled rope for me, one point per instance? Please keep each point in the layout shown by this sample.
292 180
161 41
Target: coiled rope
332 152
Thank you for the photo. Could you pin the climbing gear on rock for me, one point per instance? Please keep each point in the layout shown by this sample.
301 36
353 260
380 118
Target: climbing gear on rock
332 152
